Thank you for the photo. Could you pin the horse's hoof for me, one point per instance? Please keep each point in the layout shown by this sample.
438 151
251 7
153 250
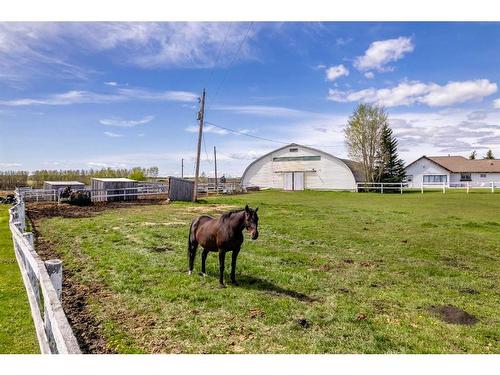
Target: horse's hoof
203 274
235 283
221 286
190 273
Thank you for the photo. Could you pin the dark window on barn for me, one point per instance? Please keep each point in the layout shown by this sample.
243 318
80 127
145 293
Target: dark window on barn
465 177
483 175
295 149
434 179
297 158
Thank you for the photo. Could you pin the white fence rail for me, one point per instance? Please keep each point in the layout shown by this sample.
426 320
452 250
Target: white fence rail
43 283
381 186
467 185
219 188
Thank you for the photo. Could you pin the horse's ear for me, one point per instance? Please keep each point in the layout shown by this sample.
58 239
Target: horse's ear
257 209
246 208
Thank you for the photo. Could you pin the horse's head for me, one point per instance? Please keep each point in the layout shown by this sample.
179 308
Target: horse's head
252 222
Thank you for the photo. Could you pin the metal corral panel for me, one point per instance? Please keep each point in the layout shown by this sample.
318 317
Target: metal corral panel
180 189
56 185
113 189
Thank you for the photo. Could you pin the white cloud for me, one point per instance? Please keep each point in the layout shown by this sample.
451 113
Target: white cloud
262 110
111 83
496 103
9 165
31 49
382 52
369 75
113 135
335 72
116 121
79 97
411 92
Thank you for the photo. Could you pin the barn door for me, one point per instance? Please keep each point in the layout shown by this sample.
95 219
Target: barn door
298 181
288 181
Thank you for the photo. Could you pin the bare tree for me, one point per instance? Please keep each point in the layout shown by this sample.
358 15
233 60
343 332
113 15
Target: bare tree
363 137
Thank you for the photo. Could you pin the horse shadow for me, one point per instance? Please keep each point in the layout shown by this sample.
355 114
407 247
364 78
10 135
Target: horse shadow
256 283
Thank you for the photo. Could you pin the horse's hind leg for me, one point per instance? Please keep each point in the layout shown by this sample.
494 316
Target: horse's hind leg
203 262
192 246
233 267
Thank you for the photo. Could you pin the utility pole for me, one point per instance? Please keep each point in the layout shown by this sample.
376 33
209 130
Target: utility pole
215 163
182 168
201 115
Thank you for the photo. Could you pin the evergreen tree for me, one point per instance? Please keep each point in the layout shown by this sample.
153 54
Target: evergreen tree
489 155
390 168
473 155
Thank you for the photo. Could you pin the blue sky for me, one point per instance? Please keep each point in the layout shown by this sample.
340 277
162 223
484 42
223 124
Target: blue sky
82 95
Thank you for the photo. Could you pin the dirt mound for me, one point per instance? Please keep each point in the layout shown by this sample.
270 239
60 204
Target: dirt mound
453 315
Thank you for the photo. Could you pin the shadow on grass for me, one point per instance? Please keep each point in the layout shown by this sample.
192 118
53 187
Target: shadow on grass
251 282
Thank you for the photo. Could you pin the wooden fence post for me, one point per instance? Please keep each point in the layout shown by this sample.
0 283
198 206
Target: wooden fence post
54 269
29 238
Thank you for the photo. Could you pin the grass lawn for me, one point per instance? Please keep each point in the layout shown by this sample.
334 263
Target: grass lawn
17 332
332 272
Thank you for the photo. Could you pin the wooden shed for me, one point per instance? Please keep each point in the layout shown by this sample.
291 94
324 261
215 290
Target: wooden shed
60 185
113 189
180 189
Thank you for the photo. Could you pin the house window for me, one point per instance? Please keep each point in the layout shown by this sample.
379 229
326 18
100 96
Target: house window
295 149
434 179
483 175
465 177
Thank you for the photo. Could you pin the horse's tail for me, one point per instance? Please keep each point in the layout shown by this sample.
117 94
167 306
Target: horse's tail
192 244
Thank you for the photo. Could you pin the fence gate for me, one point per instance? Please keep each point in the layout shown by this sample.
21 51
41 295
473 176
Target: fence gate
180 189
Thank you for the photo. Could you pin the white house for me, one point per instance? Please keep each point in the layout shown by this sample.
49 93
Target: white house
296 167
452 171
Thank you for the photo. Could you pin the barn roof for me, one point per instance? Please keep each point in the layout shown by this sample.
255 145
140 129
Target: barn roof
353 166
114 179
457 164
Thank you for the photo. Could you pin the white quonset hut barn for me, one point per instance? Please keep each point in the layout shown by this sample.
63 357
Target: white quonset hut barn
452 171
296 167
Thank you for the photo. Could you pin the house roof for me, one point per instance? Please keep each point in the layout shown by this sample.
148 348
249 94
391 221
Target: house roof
459 164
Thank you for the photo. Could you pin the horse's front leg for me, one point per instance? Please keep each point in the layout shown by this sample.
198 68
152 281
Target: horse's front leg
233 266
222 258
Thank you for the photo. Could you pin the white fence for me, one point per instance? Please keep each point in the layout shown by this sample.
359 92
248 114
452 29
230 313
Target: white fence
402 186
43 283
381 186
141 191
219 188
467 185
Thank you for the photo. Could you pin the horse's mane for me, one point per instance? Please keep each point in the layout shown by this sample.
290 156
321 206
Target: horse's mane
227 215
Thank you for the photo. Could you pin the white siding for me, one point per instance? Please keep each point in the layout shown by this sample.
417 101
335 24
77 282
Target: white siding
424 167
329 172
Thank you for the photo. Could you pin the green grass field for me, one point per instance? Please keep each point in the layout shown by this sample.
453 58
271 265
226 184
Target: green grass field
17 332
332 272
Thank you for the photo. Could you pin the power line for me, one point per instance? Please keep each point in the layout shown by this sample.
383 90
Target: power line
231 62
220 51
258 137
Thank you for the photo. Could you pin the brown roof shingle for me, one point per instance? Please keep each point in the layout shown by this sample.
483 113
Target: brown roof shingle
461 164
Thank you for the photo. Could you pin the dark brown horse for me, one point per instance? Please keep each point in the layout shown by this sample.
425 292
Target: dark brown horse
221 235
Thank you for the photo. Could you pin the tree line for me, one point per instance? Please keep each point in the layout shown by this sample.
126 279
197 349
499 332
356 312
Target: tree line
35 179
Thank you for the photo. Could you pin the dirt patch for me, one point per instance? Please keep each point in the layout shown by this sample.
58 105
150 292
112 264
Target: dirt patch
303 323
75 296
453 315
38 210
468 291
161 249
